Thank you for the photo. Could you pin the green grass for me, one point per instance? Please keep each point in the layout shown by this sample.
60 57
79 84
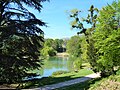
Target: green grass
80 73
56 79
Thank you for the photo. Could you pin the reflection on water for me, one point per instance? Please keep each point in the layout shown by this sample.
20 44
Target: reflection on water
54 64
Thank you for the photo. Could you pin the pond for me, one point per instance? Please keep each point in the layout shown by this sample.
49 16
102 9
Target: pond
54 64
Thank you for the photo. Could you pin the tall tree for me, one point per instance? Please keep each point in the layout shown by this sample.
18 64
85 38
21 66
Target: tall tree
74 46
89 49
20 39
107 39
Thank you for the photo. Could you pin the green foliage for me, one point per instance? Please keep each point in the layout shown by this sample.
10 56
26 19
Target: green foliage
49 42
48 51
51 52
59 73
74 46
58 45
77 21
51 47
20 39
77 64
84 47
118 72
107 40
87 45
102 40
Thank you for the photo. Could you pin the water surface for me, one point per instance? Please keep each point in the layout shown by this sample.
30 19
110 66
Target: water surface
54 64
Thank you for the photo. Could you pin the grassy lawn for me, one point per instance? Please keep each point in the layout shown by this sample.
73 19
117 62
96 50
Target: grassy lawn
56 79
82 72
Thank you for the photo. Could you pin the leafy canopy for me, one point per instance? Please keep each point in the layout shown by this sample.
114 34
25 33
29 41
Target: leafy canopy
74 46
107 38
20 39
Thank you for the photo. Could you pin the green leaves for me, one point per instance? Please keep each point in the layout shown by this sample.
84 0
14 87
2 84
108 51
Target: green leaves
74 46
107 40
102 40
20 39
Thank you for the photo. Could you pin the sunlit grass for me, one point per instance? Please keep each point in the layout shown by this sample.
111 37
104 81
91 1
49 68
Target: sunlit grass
80 73
56 79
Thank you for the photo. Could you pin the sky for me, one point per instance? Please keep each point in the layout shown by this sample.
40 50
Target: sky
57 19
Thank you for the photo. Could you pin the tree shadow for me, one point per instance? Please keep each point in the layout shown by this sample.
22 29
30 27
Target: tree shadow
81 86
35 83
45 81
88 83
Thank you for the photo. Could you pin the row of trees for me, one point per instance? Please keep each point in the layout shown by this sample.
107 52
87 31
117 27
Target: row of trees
52 47
101 43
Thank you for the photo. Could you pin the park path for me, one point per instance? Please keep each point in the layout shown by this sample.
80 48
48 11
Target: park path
67 83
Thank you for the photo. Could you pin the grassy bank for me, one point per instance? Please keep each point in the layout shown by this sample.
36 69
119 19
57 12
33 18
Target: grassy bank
56 78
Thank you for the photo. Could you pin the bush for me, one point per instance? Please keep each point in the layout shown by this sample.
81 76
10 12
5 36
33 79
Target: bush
59 73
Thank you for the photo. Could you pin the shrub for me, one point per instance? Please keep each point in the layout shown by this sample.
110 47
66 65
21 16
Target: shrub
59 73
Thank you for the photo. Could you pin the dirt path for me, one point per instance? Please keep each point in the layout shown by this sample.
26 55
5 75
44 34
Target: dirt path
67 83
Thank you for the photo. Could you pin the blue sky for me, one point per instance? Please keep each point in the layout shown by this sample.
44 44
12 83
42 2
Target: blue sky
54 14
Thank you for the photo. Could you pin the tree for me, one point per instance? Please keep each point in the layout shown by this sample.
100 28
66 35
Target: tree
74 46
77 64
107 39
74 49
48 48
48 51
88 49
20 39
58 45
49 42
